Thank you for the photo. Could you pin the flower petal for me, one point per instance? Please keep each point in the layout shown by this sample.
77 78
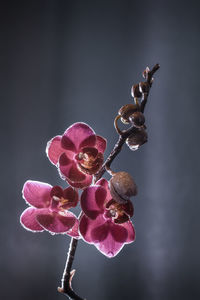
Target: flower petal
81 184
86 226
118 232
54 149
68 169
73 232
77 136
100 143
37 193
54 222
28 220
100 233
92 200
104 183
109 247
72 197
131 231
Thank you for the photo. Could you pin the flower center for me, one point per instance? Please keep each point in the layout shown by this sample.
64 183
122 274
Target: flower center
89 160
115 212
59 203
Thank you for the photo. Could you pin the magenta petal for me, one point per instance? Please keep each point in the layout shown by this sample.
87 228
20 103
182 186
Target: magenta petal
86 226
69 170
92 200
59 222
104 183
80 135
54 149
100 144
81 184
28 220
130 230
109 247
73 232
100 233
37 193
118 232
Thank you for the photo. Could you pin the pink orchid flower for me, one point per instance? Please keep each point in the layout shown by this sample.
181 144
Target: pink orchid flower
78 154
49 208
105 223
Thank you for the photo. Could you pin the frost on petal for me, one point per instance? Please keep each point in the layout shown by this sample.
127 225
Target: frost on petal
55 222
28 220
37 193
130 230
100 144
69 170
80 135
54 149
73 232
92 200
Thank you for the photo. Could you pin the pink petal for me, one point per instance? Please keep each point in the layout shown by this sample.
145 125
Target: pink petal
37 193
92 200
131 231
86 226
104 183
77 136
82 184
118 232
69 170
72 196
55 222
54 149
109 247
100 233
73 232
28 220
100 144
57 191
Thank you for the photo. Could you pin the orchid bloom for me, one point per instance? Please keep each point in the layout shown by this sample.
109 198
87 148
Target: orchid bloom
49 208
78 154
105 223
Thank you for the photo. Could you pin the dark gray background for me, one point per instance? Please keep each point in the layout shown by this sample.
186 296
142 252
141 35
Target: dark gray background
73 60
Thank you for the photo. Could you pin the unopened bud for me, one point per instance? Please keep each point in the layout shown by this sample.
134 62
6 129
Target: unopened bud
125 112
137 119
138 138
135 91
122 187
144 87
145 73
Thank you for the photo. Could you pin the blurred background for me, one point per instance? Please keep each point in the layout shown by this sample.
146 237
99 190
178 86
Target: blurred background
66 61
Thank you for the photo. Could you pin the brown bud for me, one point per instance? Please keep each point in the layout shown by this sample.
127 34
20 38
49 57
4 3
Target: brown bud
125 112
122 187
137 119
145 73
138 138
135 91
144 87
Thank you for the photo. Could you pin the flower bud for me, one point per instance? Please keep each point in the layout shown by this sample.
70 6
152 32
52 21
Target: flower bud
138 138
122 187
144 87
135 91
137 119
125 112
145 73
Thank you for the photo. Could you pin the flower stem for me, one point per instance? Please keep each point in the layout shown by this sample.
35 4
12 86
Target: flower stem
68 274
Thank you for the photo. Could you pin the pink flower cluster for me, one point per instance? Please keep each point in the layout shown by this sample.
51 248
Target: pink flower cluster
78 155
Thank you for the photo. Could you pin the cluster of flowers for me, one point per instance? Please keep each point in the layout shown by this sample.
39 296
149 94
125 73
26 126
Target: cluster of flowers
103 222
